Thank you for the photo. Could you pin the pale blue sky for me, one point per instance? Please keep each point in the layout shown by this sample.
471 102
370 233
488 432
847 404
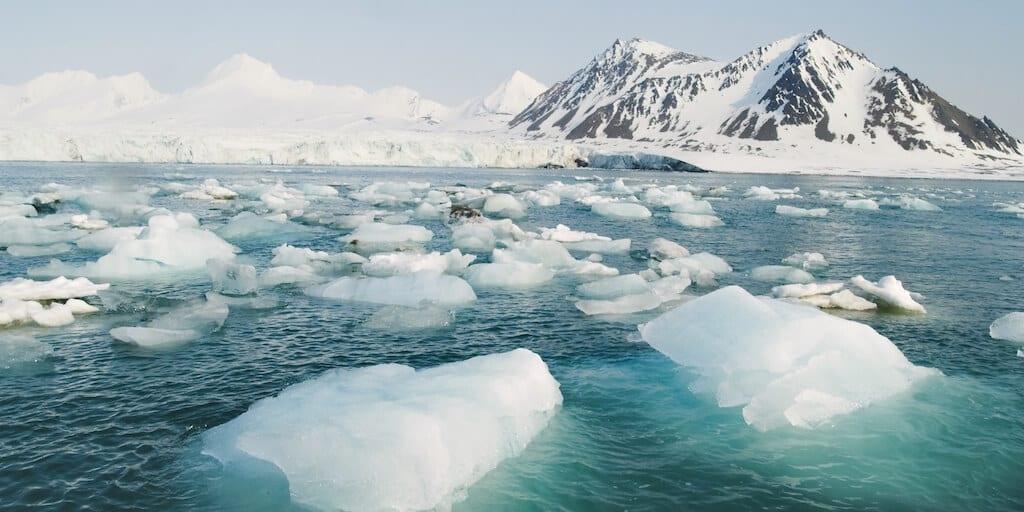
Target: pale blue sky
970 52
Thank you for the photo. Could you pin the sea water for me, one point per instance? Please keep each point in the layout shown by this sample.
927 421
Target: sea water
106 426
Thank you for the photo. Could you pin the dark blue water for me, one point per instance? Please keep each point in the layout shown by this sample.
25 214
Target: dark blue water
103 426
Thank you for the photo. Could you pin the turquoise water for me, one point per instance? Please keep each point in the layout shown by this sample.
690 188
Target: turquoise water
104 426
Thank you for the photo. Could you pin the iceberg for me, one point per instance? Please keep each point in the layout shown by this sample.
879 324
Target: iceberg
389 437
784 364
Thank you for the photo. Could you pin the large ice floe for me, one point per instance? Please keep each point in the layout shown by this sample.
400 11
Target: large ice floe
169 244
784 364
389 437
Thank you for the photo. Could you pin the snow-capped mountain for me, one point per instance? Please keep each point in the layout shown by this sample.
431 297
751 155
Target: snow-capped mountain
509 98
801 93
74 96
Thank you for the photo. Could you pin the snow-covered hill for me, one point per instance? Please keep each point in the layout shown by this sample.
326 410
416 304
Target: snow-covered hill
806 94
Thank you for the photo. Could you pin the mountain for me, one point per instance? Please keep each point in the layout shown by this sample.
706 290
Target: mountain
806 92
509 98
73 96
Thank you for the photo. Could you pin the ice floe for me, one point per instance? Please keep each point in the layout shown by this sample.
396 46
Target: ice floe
409 290
389 264
784 364
388 437
693 220
860 204
1009 327
781 274
511 275
178 326
621 210
793 211
890 292
806 260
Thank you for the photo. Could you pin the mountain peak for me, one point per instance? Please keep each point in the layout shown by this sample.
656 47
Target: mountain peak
242 67
513 95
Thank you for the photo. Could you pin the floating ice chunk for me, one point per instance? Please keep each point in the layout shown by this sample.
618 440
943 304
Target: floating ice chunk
388 437
571 191
56 315
248 225
58 288
402 290
1009 327
387 193
426 211
210 190
916 203
621 210
352 221
861 204
281 198
701 268
784 363
691 220
622 305
154 337
793 211
171 243
88 223
287 274
620 246
314 190
839 195
511 275
288 255
612 287
33 251
546 252
845 299
563 233
18 349
781 274
806 260
379 237
80 307
800 290
389 264
19 231
104 240
396 218
890 292
542 198
473 237
662 249
399 318
230 278
504 205
180 325
17 210
762 193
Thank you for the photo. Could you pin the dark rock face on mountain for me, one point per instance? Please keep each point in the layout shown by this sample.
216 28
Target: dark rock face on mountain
801 91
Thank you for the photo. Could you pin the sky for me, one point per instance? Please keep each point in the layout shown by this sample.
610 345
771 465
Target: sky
451 50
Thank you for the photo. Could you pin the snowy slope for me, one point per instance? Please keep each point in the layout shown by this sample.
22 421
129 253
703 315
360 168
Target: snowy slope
806 92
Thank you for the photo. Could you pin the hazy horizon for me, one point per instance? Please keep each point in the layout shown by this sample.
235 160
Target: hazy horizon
453 51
